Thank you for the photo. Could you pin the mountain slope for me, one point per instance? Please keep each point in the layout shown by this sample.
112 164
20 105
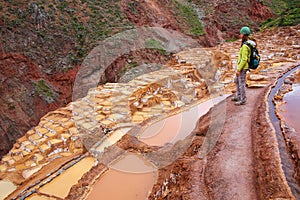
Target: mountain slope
43 43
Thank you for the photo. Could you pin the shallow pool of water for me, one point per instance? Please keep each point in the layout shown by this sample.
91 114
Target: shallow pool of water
129 178
176 127
290 111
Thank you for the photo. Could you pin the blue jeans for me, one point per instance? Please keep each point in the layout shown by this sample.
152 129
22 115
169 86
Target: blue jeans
240 83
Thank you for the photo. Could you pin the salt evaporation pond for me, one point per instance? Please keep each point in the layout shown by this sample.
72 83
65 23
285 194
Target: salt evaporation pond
177 127
132 176
129 178
290 111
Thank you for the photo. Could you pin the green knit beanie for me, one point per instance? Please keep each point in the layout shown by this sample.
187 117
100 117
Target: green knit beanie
245 30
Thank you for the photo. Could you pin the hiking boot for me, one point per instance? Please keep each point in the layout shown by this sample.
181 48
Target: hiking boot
235 99
238 103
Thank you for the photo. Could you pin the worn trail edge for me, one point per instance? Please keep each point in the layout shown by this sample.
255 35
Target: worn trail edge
270 177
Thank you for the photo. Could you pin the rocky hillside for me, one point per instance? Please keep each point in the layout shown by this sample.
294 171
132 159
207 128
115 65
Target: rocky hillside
43 43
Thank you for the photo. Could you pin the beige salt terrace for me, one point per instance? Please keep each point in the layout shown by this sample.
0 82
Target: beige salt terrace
6 187
67 179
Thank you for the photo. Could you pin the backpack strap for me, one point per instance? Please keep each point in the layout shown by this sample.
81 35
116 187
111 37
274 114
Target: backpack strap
248 44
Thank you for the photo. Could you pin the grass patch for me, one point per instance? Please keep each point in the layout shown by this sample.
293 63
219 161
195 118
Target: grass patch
132 6
276 6
190 18
154 44
128 67
81 23
45 91
288 18
287 11
231 39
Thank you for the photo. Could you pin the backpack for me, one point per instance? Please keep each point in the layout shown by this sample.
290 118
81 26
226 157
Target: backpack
254 56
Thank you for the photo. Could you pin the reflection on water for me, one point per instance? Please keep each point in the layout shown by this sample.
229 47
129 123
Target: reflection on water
130 178
133 163
6 188
176 127
162 132
291 110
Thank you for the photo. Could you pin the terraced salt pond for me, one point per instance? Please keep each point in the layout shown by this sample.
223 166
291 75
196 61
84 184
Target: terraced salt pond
131 177
290 111
61 185
177 127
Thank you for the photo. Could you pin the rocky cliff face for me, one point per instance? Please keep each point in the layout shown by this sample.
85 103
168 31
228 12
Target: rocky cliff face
27 94
43 44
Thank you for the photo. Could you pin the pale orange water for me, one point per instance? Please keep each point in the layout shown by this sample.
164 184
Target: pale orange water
176 127
291 110
162 132
130 178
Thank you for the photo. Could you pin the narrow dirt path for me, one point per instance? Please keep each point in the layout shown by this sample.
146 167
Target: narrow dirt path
225 173
229 172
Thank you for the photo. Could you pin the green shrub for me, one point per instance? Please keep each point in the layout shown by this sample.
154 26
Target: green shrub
154 44
288 18
190 17
45 91
287 11
231 39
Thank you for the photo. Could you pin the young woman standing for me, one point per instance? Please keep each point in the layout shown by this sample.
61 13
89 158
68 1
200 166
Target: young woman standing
243 66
